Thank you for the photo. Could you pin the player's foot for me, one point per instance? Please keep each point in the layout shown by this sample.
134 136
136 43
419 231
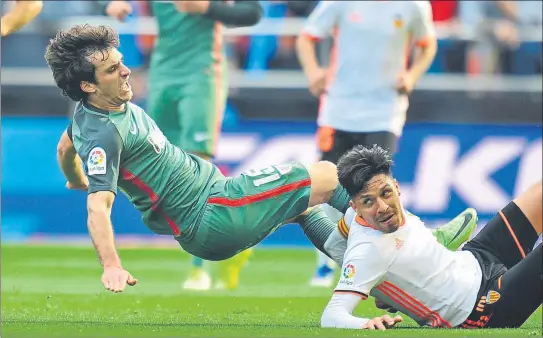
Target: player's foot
455 233
323 278
198 280
230 269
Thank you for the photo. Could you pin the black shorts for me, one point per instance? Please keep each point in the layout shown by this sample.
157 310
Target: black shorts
510 289
334 143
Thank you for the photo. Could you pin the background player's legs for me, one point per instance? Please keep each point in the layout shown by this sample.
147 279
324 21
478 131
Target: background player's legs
201 110
520 290
163 106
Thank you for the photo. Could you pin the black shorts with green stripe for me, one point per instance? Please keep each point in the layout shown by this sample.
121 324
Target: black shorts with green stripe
511 285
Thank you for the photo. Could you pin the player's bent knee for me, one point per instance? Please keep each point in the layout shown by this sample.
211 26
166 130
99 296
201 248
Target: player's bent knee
324 181
530 203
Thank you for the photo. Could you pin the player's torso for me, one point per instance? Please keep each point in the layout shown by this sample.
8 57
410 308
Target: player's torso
371 42
431 284
186 44
167 185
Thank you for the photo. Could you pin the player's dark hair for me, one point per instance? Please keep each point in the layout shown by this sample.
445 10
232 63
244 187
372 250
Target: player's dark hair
68 56
358 166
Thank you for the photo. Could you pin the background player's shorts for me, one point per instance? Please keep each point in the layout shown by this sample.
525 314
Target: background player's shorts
189 114
502 249
334 143
242 211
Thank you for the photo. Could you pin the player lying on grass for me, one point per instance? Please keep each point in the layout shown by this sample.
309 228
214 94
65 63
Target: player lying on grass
113 144
494 281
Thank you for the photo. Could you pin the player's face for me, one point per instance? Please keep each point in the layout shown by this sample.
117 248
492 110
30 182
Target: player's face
379 204
111 87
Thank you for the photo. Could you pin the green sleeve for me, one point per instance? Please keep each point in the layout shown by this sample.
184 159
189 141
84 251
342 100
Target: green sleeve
238 14
101 155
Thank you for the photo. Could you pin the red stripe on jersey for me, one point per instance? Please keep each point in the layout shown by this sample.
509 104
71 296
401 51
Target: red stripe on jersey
128 176
416 301
404 303
239 202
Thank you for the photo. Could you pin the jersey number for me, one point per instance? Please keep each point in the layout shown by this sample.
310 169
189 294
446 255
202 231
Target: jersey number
268 174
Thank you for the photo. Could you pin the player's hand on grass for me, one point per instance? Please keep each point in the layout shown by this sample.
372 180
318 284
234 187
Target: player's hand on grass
317 81
382 323
191 6
119 10
83 186
115 279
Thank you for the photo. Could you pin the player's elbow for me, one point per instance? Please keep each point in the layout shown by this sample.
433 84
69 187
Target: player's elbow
329 318
100 202
65 146
429 47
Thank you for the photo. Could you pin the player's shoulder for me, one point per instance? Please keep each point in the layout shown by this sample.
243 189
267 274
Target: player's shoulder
91 121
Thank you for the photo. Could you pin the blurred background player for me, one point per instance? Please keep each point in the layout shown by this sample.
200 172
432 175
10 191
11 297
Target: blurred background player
19 15
364 92
188 88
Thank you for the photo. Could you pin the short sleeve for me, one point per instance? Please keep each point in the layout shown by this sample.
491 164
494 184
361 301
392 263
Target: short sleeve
323 19
69 131
422 23
363 268
101 155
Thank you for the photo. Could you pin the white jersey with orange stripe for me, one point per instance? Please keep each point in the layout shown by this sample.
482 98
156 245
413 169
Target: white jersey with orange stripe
371 44
409 270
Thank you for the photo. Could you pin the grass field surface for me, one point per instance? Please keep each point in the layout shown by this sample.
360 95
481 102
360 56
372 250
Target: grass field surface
55 291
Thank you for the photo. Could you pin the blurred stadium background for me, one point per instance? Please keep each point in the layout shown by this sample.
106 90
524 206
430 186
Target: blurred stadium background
473 136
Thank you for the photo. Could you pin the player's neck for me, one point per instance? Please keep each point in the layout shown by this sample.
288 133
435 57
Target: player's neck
104 105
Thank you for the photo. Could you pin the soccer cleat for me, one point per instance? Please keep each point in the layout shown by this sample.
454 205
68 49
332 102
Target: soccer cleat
198 280
230 269
323 278
455 233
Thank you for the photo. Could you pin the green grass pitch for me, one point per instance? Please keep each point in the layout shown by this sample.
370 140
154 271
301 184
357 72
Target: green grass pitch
56 292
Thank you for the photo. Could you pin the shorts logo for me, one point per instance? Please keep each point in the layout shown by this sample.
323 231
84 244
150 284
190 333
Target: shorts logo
349 271
492 297
96 163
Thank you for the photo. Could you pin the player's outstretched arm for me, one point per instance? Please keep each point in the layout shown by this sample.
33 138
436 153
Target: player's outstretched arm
22 13
99 205
237 14
70 163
